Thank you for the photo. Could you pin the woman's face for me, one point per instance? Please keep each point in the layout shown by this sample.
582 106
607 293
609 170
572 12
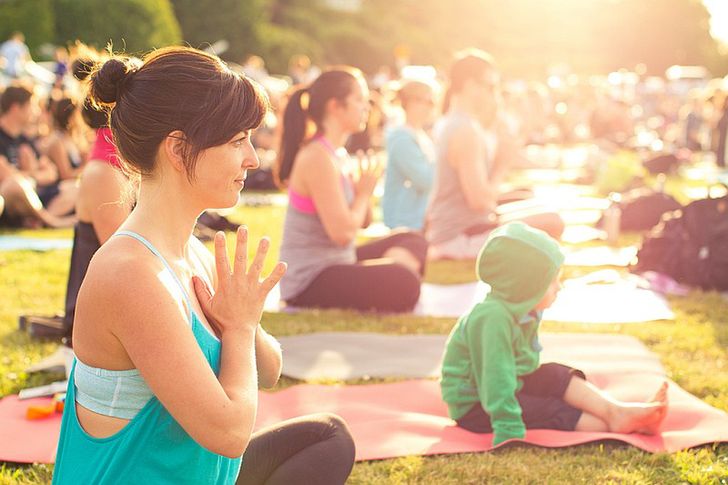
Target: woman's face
483 93
421 106
221 170
354 112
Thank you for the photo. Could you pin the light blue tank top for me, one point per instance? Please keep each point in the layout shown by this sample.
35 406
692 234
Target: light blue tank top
152 448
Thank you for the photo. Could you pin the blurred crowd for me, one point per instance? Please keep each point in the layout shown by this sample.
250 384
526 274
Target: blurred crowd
45 141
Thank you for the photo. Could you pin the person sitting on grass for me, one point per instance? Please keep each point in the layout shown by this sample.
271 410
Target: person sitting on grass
474 152
330 199
410 160
170 352
28 181
492 380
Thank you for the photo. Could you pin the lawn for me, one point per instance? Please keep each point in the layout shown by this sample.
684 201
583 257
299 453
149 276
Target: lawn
693 349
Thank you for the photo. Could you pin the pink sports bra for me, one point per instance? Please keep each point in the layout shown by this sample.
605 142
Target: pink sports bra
104 149
305 204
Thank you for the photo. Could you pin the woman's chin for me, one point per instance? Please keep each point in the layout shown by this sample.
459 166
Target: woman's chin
227 203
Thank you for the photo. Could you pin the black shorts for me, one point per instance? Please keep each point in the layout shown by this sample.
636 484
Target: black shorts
541 400
47 193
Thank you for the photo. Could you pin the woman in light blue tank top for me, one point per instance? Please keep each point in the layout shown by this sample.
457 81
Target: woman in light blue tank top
165 386
410 160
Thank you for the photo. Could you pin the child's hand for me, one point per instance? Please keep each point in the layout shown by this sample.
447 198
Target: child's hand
240 295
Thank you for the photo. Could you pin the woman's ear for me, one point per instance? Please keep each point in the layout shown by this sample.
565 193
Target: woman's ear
332 105
174 148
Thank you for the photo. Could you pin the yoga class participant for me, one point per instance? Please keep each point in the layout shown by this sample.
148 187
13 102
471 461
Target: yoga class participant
492 378
329 201
170 351
473 154
410 160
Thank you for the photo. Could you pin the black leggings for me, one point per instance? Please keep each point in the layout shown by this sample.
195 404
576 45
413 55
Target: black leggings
370 285
316 449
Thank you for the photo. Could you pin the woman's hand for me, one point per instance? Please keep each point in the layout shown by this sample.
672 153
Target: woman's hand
369 169
240 295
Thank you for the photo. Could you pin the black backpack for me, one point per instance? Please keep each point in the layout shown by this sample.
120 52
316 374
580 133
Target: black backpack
690 245
664 163
641 209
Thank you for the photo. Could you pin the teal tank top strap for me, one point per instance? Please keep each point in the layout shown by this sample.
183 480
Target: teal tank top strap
154 251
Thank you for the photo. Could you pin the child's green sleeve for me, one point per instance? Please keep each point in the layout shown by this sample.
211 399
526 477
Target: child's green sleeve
494 368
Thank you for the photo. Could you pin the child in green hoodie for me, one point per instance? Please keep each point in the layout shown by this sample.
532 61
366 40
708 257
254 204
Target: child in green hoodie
491 377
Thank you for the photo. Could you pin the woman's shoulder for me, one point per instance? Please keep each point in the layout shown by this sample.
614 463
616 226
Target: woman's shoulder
120 262
96 169
401 134
312 163
123 278
313 153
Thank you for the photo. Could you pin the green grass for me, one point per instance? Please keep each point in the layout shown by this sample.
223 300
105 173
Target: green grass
693 349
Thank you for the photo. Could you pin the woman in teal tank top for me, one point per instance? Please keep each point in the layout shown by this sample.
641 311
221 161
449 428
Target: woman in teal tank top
182 120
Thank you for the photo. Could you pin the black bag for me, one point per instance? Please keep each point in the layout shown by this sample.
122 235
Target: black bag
642 209
666 163
690 245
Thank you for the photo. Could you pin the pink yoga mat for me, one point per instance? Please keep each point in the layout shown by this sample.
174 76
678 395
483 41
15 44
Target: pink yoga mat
25 441
409 418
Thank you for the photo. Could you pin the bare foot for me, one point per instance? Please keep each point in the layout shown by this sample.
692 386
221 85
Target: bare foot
642 418
661 398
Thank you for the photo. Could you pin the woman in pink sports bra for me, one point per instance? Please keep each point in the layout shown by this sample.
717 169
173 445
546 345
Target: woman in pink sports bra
103 201
330 199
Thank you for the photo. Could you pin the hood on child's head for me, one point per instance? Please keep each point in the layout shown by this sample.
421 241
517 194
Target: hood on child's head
519 263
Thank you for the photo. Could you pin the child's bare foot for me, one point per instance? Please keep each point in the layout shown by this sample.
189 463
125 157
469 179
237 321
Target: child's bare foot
642 418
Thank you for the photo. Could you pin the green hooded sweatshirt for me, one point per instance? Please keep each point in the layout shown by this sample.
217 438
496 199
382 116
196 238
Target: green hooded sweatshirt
491 347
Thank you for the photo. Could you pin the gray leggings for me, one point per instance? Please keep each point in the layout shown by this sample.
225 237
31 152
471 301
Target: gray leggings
316 449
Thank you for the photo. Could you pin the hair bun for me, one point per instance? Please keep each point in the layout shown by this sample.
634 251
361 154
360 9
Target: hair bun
82 68
106 83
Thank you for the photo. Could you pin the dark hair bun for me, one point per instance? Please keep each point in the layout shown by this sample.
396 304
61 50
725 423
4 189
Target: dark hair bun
82 67
106 83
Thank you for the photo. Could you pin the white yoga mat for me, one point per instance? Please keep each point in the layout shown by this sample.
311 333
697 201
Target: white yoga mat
17 243
608 303
579 301
600 256
579 233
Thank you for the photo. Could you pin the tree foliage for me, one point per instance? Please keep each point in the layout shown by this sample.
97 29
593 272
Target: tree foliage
34 18
130 25
236 21
525 36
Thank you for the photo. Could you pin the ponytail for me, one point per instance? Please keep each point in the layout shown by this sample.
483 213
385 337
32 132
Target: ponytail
295 121
307 107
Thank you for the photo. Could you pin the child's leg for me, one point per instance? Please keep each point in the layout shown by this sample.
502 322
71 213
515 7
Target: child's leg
616 416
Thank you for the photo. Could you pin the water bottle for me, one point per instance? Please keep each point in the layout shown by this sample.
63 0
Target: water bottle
612 220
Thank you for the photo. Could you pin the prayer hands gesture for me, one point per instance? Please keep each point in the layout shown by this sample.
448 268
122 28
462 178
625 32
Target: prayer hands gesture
238 300
369 169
